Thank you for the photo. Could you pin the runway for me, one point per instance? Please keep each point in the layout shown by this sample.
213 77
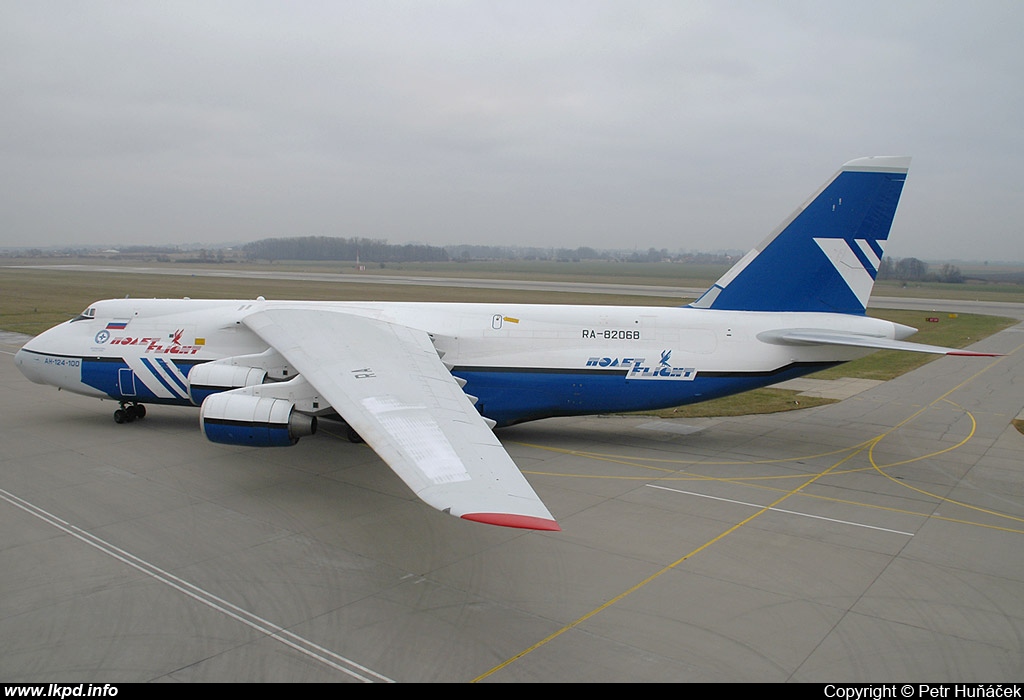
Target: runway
993 308
877 539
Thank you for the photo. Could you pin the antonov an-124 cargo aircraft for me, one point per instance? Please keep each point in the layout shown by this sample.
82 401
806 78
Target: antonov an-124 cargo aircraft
424 384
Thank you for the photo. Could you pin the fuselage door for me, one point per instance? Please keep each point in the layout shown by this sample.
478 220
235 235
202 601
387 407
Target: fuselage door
126 382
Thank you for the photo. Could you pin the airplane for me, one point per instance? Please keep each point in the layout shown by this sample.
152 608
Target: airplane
424 384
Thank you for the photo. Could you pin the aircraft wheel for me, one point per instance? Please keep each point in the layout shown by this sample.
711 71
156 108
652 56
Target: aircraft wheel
140 411
120 416
353 436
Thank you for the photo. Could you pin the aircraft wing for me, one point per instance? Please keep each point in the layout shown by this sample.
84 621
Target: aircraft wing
821 337
389 384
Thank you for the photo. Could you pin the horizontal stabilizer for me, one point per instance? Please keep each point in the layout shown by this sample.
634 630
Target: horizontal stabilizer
818 337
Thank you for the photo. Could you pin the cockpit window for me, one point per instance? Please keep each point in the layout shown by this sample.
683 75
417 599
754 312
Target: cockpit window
87 315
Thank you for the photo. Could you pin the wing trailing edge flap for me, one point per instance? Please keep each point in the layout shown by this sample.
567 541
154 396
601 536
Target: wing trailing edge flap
389 384
820 337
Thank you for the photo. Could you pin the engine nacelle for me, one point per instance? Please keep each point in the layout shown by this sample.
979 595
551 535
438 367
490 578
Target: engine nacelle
234 418
213 377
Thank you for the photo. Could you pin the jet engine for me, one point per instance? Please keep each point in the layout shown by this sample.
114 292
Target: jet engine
240 418
214 377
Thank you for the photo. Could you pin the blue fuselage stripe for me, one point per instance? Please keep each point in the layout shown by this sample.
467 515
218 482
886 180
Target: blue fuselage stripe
172 372
156 374
512 396
102 374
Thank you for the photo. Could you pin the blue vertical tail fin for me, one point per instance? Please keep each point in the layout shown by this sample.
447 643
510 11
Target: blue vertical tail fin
825 256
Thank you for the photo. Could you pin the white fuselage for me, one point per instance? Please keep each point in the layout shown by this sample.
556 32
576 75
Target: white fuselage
521 361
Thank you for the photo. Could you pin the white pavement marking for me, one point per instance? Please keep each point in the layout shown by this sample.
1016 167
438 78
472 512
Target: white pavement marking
299 644
780 510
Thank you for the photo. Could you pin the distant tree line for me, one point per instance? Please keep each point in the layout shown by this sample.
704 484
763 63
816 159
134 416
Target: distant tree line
380 251
324 248
467 253
914 270
484 252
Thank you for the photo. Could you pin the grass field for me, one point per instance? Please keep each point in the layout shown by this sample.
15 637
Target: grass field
32 300
988 284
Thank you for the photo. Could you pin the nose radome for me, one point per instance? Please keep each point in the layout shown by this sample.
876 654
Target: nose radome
28 363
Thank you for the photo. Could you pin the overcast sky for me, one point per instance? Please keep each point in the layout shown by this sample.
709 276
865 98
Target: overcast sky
627 124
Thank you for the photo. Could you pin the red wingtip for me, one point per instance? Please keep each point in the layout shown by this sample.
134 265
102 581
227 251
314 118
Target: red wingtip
526 522
968 353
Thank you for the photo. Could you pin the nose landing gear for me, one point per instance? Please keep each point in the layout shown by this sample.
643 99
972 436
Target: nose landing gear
129 412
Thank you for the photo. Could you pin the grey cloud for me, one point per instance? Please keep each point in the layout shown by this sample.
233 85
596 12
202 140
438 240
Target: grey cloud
662 124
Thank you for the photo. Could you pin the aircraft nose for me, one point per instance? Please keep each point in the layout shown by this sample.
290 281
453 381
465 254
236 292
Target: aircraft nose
22 360
30 363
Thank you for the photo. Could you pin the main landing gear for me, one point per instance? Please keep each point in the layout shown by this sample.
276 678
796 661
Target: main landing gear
129 412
